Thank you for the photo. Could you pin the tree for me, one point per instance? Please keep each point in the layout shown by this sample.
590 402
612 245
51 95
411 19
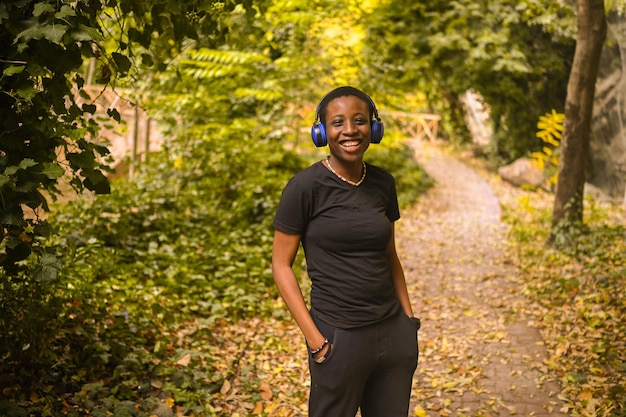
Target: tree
568 202
48 131
515 54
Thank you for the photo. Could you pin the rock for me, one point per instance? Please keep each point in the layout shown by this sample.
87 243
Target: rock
162 411
522 173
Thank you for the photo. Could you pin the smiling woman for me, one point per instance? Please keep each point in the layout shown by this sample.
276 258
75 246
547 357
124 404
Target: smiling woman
360 331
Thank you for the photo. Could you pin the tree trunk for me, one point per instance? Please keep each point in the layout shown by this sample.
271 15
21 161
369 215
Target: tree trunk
568 202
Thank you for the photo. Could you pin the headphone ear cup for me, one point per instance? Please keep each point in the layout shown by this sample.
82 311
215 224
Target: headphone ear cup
378 130
318 134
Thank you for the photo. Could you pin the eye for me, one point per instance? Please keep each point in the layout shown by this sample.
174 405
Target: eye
361 121
338 122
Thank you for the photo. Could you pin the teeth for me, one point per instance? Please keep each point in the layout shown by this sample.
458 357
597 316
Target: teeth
350 143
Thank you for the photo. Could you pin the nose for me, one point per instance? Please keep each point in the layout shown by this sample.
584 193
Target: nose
349 127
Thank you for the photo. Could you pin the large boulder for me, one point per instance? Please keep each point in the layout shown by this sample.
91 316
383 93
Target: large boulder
522 172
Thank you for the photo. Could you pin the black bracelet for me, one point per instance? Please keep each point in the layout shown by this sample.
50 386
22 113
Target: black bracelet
319 349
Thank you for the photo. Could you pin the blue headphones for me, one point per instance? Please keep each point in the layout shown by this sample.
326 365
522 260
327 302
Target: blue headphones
318 131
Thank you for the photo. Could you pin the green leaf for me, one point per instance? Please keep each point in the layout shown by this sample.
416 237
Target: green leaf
4 180
54 33
82 160
11 170
27 163
13 69
33 32
76 134
121 61
48 268
52 170
114 114
86 33
89 108
97 182
65 12
27 92
41 8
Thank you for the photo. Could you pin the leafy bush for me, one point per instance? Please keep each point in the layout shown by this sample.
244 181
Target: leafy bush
188 239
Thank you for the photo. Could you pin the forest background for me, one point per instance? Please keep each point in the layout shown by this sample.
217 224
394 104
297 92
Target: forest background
101 272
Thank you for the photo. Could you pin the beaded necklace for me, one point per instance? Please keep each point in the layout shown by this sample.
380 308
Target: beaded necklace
356 184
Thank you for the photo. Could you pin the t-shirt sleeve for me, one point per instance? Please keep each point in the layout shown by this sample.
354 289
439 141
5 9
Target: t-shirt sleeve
292 213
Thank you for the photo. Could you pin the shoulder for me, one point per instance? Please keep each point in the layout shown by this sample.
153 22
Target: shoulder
305 181
308 175
379 173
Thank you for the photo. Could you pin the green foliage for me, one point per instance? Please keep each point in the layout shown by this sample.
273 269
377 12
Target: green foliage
47 129
46 135
92 324
578 283
550 128
516 55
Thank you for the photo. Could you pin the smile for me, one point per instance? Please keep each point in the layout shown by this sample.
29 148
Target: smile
350 143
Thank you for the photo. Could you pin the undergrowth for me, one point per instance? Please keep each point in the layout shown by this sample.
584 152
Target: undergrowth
188 240
579 284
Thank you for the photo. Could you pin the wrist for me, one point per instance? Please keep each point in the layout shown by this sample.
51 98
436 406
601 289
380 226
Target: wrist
320 348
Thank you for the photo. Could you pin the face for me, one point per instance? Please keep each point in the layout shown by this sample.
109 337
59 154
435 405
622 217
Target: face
348 128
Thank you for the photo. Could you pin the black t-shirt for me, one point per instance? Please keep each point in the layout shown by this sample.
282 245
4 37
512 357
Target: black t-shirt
345 231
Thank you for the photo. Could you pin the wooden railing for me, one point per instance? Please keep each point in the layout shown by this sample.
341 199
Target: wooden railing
416 125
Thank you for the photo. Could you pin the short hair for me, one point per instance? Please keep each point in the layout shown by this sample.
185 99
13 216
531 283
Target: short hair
342 92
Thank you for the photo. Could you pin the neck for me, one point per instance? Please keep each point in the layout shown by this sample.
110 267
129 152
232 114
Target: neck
353 173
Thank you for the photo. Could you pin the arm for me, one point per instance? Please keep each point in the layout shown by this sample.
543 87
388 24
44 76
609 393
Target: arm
397 274
284 250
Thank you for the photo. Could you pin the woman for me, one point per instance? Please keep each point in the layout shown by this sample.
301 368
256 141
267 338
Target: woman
360 331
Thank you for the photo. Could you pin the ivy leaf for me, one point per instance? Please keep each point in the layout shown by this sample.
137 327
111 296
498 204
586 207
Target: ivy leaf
54 33
82 160
13 69
86 33
48 268
27 163
65 12
41 8
96 181
52 170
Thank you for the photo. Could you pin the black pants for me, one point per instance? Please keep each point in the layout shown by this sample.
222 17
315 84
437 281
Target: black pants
369 367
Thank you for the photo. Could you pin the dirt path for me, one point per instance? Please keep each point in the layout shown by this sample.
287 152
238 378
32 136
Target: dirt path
479 352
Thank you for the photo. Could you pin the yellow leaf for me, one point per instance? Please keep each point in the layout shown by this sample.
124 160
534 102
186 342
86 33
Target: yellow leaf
258 408
451 384
585 395
419 412
169 402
